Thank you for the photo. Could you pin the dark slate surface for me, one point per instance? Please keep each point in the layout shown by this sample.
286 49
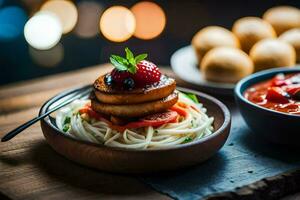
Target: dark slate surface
241 161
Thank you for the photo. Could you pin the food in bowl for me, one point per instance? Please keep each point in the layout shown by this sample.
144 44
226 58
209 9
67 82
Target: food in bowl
268 124
226 64
135 106
283 18
211 37
272 53
250 30
293 38
281 93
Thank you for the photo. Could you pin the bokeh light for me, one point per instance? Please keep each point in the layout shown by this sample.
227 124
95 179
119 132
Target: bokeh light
66 12
43 31
89 13
150 20
47 58
117 24
12 21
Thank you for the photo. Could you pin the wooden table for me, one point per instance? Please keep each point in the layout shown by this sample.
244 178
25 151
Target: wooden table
30 169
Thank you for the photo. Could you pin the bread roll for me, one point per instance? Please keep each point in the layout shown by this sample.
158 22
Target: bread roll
270 53
210 37
250 30
283 18
226 64
293 38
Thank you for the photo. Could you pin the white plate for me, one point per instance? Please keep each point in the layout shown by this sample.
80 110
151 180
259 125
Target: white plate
184 64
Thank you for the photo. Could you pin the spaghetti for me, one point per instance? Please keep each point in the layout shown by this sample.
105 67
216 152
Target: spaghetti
192 126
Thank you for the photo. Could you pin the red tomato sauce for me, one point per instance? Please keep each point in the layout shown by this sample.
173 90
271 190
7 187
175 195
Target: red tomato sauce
281 93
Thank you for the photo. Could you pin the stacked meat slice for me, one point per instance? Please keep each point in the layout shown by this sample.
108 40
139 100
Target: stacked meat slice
134 103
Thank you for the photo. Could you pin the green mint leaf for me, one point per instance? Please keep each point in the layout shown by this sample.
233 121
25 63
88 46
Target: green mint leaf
193 97
128 63
130 58
118 65
140 57
132 61
129 54
132 69
120 59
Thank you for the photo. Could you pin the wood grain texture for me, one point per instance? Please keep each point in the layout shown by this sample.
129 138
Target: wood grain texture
24 95
30 169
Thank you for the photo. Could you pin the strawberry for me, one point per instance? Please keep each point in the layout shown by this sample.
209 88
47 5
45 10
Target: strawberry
147 73
133 71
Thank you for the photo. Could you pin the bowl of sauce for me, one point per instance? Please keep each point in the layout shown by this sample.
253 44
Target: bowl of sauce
280 93
269 102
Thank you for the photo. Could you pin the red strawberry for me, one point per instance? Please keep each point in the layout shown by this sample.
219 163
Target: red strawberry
146 73
133 70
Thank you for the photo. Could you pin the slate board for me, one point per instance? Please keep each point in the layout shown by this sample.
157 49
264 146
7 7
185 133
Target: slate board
243 160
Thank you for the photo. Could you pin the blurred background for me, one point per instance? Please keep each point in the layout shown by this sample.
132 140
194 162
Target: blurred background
42 37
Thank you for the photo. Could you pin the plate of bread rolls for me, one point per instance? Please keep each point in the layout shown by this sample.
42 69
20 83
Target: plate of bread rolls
218 57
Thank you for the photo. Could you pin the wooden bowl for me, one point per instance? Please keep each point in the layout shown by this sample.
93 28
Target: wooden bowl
140 161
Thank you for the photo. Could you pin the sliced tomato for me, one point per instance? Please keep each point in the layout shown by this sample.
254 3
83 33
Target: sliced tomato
160 118
88 110
154 120
84 109
179 110
277 94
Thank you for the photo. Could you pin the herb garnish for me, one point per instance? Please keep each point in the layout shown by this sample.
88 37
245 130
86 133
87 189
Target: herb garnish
67 120
67 125
188 139
128 63
193 97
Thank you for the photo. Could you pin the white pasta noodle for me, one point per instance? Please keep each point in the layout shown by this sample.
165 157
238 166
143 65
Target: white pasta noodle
194 126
